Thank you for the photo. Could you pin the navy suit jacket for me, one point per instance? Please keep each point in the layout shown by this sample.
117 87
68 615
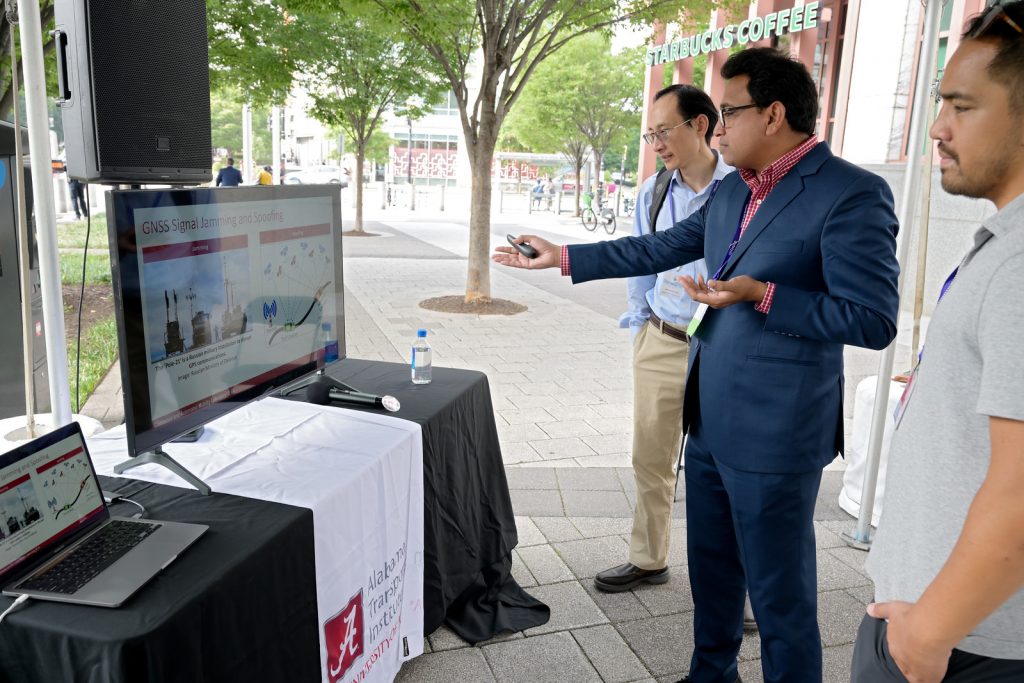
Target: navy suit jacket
769 388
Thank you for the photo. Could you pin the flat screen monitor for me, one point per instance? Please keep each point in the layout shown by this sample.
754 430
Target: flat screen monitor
223 295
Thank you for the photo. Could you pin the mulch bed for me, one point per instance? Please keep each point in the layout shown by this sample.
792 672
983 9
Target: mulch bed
458 304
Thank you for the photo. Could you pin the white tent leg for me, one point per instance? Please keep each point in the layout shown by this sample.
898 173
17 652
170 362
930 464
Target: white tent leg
861 536
42 198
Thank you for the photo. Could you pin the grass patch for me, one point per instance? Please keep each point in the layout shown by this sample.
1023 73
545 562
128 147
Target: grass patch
97 268
72 235
99 351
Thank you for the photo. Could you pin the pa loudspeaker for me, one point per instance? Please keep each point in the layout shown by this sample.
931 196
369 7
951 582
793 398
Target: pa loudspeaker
134 89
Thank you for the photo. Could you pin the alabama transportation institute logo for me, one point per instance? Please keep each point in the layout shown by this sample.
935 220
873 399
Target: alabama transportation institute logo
344 636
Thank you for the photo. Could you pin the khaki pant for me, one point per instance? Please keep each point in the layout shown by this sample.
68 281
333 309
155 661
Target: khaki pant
659 375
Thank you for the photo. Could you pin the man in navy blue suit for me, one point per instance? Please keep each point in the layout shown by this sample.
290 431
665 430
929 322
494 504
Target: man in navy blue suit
803 249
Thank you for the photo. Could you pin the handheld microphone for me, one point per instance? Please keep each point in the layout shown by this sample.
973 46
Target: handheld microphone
323 394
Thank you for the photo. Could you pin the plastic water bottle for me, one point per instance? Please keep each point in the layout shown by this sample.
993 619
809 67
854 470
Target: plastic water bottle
330 343
421 358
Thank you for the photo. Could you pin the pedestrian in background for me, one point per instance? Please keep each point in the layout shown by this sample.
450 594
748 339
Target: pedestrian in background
78 201
229 176
265 176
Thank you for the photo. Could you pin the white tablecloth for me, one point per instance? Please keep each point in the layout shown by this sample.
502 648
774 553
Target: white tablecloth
362 476
857 450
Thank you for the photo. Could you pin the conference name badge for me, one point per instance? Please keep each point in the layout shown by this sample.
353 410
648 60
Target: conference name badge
901 407
671 289
695 321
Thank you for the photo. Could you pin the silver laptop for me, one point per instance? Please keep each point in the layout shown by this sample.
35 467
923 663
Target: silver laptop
57 538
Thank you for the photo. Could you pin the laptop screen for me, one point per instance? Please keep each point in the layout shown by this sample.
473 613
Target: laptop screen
48 491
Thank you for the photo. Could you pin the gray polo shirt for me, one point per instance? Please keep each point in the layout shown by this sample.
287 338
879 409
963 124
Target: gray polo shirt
972 369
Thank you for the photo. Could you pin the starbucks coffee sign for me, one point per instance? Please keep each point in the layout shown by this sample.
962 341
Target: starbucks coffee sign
799 18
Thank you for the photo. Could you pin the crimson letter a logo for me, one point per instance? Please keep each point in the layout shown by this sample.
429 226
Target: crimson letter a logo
343 634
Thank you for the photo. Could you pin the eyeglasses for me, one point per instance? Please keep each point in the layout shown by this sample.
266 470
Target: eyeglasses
662 134
995 12
726 113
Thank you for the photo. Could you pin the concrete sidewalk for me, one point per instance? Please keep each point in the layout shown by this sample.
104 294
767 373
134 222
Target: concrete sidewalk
560 377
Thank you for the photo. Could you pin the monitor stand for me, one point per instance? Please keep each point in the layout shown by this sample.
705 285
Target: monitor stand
190 437
159 457
318 376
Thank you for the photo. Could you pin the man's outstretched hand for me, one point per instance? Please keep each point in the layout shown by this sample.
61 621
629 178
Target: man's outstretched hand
548 254
722 293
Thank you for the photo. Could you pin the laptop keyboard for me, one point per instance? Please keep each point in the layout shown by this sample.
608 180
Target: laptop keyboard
103 549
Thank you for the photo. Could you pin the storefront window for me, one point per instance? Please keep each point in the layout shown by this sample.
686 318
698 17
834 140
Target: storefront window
828 52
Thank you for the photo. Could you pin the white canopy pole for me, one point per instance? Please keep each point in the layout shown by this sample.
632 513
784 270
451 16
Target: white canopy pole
275 145
247 143
18 173
42 199
908 204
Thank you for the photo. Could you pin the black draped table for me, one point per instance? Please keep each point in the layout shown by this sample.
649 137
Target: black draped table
242 603
238 605
469 530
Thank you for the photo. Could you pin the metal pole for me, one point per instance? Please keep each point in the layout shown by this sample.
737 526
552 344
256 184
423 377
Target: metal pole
31 34
622 178
861 536
247 143
412 190
275 145
444 184
922 250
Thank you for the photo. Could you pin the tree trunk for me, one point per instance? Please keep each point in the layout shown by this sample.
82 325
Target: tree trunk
358 180
478 275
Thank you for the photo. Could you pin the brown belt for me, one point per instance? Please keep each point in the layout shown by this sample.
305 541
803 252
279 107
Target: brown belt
666 328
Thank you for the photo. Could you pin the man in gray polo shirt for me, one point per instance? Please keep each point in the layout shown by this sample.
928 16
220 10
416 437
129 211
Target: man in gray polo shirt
948 562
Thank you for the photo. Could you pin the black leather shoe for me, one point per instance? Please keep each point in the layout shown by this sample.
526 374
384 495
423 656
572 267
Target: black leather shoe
627 576
686 679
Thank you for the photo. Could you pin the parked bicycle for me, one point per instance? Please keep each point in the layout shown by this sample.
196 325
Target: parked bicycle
605 215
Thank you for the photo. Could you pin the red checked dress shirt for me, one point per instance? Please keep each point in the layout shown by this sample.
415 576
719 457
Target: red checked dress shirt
759 190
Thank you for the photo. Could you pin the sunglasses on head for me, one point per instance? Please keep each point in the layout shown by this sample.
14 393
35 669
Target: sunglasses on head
988 22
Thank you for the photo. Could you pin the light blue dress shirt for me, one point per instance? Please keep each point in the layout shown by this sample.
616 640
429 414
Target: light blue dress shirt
662 293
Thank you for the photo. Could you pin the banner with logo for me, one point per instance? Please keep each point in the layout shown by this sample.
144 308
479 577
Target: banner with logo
362 476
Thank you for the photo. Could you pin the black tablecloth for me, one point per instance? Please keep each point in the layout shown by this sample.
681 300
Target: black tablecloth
238 605
469 530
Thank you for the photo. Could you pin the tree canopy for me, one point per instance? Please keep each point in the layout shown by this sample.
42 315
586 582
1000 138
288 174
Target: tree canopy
254 45
488 50
355 71
584 101
49 63
226 126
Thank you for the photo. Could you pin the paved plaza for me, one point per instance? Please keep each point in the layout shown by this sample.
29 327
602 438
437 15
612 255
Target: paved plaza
560 377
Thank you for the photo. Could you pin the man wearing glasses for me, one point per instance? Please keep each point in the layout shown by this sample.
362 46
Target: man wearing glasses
681 123
803 247
948 562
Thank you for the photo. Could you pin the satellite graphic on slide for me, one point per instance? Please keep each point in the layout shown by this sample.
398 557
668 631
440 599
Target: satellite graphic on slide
64 486
295 275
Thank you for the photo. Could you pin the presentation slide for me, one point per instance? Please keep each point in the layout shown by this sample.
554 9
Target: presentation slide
43 497
232 294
